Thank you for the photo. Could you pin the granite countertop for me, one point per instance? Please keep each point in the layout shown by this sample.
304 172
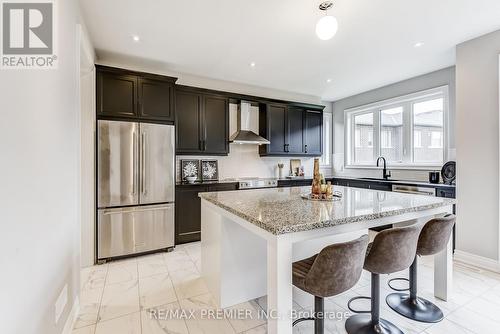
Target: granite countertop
282 210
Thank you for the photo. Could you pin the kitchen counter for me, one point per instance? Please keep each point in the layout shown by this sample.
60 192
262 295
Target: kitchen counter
251 238
282 210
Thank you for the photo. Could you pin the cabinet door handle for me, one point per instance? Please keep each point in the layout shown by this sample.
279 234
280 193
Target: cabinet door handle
305 148
204 145
286 148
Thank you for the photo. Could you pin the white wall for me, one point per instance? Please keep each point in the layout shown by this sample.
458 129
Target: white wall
478 146
431 80
39 242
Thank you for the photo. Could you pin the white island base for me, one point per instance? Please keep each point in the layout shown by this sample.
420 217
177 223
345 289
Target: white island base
242 261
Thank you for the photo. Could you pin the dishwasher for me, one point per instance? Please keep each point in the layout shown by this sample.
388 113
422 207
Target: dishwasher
397 188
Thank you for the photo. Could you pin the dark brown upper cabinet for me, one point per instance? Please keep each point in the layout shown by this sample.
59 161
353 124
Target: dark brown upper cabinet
292 130
116 94
313 133
273 127
202 122
295 128
188 122
156 99
123 94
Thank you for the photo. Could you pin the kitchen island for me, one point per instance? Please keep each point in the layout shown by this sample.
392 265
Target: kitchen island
250 238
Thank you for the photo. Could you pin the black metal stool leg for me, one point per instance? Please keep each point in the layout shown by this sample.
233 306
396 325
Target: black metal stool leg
319 316
411 306
371 324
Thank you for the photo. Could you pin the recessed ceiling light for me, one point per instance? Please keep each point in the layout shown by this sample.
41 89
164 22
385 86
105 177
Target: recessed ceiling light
418 44
252 64
136 38
328 80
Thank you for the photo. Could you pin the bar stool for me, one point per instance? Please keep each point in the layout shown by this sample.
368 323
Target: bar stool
391 251
433 238
336 269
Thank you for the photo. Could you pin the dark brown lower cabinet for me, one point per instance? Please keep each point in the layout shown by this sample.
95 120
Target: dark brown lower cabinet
188 209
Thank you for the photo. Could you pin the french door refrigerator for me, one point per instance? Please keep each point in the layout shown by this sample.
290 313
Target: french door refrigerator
135 188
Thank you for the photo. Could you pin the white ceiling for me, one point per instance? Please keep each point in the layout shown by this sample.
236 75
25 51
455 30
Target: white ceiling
374 45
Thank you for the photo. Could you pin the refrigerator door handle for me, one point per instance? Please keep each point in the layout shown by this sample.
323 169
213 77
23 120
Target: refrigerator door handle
143 163
112 211
134 171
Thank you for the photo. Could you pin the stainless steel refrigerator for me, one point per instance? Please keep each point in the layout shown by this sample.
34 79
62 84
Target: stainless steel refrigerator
135 188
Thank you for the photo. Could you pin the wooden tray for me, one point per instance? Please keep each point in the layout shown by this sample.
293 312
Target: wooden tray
337 196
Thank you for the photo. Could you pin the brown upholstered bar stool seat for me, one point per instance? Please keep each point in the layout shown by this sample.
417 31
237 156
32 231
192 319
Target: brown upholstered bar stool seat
336 269
392 250
433 239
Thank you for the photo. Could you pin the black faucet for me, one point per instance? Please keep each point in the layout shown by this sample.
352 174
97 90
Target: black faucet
385 173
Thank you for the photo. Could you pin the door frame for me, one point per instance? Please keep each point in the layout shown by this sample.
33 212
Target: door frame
87 136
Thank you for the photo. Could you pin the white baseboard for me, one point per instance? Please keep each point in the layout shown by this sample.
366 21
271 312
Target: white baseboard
70 321
477 261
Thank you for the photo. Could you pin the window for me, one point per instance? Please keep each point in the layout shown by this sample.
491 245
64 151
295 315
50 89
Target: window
326 159
391 126
417 139
408 131
386 139
428 120
363 127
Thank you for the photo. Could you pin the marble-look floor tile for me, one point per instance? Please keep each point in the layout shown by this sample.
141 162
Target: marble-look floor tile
252 316
447 327
201 324
257 330
93 277
84 330
90 300
152 265
342 299
262 302
188 283
129 324
193 249
178 261
156 290
474 322
119 299
157 321
492 295
122 272
486 308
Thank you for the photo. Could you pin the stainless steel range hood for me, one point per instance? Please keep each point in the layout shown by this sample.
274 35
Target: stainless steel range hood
244 135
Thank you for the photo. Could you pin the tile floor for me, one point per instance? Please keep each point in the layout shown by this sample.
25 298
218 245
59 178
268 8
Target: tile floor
122 297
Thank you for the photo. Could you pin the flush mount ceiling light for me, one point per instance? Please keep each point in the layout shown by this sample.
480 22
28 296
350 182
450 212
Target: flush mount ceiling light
418 44
252 64
136 38
327 26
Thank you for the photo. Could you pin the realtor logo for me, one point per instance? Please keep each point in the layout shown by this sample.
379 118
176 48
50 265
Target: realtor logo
28 35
